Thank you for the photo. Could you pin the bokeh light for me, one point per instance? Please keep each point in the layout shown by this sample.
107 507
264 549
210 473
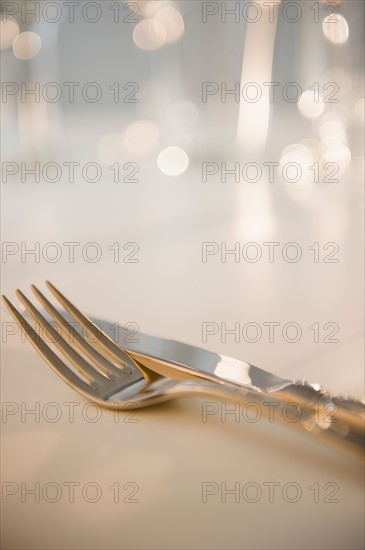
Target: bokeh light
299 154
141 137
173 161
338 153
149 34
151 7
172 21
9 30
335 28
311 104
331 129
27 45
162 24
295 162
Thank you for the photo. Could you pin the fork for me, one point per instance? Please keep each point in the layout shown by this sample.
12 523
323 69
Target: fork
162 370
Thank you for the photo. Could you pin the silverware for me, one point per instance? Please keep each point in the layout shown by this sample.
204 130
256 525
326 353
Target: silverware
155 370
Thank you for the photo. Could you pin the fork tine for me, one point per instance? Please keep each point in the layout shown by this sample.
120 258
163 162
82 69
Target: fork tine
102 340
85 368
44 350
105 365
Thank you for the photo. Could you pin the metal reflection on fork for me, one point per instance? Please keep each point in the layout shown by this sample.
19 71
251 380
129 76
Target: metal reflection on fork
160 370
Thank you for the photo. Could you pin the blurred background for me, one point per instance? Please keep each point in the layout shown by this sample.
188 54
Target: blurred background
118 79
